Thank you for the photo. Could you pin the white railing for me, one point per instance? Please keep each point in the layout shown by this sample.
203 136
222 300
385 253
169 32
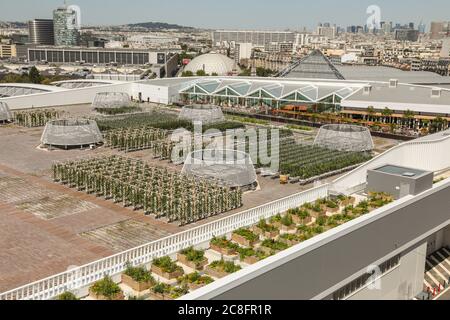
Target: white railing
83 276
430 155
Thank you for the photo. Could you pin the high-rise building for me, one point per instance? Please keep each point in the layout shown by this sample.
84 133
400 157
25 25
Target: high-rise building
256 38
445 52
440 30
421 28
41 32
66 26
329 32
406 35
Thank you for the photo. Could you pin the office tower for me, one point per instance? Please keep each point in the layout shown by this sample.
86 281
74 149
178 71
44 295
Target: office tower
41 32
66 26
440 30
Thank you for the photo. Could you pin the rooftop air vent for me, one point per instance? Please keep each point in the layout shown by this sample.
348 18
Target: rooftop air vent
436 93
393 83
367 89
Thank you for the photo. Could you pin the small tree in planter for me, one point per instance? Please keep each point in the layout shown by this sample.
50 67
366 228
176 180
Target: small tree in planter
106 289
270 246
195 280
332 206
290 239
301 216
178 292
245 237
221 268
266 230
223 246
67 296
346 201
166 268
138 278
161 291
194 259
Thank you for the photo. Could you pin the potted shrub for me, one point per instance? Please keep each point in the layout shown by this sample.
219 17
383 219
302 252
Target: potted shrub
287 223
106 289
290 239
221 268
245 237
178 292
161 291
347 201
223 246
138 278
67 296
270 246
194 259
266 230
195 280
166 268
302 217
332 206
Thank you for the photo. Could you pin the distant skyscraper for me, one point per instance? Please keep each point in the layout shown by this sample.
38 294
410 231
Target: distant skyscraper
440 30
421 28
41 32
66 26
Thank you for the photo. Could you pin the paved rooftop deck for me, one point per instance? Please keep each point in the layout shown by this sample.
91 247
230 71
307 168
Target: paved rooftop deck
46 227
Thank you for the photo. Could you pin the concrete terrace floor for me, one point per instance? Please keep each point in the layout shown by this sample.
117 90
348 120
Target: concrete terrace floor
45 228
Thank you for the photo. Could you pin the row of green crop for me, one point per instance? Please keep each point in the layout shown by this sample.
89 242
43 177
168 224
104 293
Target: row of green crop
155 190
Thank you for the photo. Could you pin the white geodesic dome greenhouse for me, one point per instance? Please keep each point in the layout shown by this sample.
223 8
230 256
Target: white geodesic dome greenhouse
344 137
5 113
71 133
229 167
106 100
203 113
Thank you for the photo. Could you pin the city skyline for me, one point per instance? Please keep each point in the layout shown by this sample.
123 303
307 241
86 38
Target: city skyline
269 16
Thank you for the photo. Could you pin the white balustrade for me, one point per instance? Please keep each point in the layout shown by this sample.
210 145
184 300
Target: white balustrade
84 276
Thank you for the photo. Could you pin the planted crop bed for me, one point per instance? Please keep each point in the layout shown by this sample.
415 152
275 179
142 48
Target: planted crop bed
35 118
155 190
133 139
305 161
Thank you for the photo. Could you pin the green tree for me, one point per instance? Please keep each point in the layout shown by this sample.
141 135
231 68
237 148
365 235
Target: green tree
34 75
187 74
201 73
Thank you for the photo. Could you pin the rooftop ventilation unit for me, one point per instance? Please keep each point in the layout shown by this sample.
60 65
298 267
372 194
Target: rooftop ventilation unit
367 89
436 93
393 83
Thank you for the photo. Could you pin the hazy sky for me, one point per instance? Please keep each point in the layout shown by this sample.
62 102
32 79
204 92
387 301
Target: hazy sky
240 14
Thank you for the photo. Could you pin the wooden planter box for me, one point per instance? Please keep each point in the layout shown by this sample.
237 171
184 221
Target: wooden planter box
270 235
243 241
215 273
191 264
167 275
315 214
299 220
136 286
119 296
267 251
251 260
223 251
194 286
333 210
159 296
290 243
348 202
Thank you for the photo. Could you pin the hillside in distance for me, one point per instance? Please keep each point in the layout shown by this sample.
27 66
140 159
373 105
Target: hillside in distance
157 25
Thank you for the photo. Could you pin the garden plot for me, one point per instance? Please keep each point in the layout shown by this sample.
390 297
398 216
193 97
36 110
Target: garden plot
163 193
